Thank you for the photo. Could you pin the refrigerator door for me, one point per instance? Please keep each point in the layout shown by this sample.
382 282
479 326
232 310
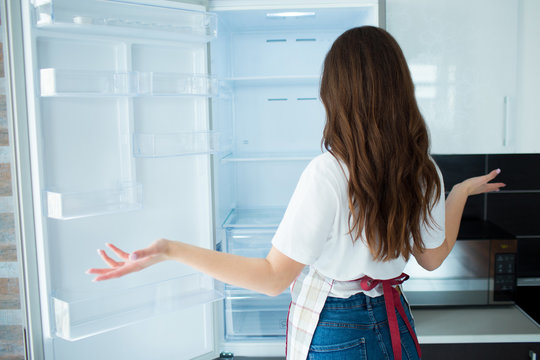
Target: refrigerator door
120 149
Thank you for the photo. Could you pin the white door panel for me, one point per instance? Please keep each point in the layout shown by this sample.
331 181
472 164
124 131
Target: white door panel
104 73
463 59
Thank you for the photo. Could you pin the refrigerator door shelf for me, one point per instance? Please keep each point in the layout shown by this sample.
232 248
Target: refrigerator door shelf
72 205
76 83
127 20
254 218
269 156
249 315
77 318
175 144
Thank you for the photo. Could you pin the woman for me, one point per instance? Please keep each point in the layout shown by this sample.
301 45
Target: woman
357 215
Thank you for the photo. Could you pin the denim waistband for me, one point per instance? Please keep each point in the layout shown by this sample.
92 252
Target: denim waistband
356 300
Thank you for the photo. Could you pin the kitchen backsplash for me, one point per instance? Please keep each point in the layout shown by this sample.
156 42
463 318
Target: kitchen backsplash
516 208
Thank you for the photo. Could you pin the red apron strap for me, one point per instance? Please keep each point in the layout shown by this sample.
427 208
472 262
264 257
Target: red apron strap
401 312
392 319
393 302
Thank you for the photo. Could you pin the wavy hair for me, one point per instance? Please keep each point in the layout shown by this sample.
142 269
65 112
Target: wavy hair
374 126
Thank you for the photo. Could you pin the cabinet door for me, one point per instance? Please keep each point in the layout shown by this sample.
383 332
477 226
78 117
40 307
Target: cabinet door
528 106
463 59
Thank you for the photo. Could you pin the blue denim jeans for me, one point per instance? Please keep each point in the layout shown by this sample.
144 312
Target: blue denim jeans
357 328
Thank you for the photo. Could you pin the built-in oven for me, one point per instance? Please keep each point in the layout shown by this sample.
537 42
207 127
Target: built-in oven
480 270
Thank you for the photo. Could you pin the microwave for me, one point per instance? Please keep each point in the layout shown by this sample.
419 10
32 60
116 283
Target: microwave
480 270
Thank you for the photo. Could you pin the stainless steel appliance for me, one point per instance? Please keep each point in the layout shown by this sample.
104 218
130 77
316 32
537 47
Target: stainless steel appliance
480 270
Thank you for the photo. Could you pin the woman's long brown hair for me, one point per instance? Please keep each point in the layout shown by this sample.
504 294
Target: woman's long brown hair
374 126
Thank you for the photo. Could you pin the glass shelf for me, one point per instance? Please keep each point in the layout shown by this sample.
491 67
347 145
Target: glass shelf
249 314
175 144
75 83
77 319
250 242
72 205
254 218
258 157
273 80
125 18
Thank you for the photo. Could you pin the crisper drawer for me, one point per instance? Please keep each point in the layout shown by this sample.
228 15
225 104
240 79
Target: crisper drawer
250 242
249 314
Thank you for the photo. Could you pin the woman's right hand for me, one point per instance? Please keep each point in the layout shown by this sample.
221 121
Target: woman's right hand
136 261
481 184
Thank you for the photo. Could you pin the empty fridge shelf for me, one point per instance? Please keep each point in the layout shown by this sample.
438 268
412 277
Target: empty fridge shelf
122 17
175 144
254 242
71 205
267 156
274 80
60 82
249 314
254 218
80 318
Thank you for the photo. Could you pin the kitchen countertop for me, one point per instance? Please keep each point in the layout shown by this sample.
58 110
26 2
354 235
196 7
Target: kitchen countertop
447 325
485 324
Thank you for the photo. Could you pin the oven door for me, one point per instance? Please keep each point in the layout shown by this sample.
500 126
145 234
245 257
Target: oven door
462 279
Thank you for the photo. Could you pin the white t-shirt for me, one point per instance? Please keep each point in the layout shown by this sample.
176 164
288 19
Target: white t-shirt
314 230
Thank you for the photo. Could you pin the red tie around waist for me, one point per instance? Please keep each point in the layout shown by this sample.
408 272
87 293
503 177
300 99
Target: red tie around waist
392 302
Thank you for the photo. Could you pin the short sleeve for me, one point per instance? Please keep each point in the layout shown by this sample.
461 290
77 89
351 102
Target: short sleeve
308 220
433 236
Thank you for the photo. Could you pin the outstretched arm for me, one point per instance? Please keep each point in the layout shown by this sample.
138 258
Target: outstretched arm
270 275
431 259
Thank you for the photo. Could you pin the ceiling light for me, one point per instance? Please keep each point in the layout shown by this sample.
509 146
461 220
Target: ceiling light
286 14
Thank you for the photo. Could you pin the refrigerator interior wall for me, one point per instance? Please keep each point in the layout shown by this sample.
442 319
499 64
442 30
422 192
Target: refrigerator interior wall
271 66
122 142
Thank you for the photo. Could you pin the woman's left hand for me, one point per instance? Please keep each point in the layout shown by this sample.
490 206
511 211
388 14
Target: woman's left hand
130 263
482 184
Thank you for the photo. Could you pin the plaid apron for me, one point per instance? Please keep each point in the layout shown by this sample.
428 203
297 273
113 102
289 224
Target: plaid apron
309 293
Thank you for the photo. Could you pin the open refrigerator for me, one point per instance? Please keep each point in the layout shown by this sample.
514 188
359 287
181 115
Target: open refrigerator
156 119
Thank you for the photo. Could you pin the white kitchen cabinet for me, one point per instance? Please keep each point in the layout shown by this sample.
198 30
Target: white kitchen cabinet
527 126
463 56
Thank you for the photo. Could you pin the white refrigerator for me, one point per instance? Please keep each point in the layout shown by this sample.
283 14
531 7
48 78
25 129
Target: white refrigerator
153 119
